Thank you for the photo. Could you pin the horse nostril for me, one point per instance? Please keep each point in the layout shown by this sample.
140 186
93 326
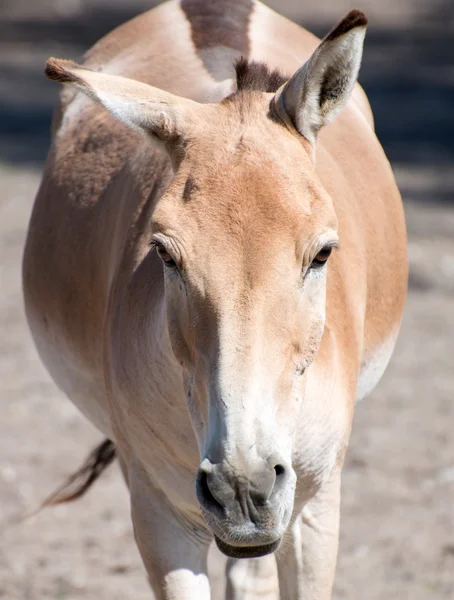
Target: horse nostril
280 470
206 498
281 477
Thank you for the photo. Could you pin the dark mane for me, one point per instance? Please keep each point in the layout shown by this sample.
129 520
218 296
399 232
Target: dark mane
257 76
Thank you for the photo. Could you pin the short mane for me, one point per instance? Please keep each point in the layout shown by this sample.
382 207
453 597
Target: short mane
257 76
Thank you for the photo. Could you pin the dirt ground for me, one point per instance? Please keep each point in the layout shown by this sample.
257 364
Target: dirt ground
397 530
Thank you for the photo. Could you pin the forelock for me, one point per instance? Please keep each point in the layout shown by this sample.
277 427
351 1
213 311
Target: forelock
257 76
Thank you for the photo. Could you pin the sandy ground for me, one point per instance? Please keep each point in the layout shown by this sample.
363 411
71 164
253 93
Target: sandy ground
397 532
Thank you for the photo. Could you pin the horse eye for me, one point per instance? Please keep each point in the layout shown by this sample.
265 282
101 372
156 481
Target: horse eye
321 257
165 256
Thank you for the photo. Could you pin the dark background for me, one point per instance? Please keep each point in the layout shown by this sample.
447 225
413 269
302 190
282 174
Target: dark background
407 71
397 533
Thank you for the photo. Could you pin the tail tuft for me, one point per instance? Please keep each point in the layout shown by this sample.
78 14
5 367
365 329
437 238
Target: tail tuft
79 482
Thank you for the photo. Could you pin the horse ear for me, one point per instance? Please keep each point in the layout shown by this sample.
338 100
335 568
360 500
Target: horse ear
323 85
145 109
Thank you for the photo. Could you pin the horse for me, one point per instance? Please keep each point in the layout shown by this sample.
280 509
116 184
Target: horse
215 272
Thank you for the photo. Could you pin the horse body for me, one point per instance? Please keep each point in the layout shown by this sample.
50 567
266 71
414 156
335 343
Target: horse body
185 374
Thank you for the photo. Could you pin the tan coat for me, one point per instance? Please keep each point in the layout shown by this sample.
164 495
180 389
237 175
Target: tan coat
238 362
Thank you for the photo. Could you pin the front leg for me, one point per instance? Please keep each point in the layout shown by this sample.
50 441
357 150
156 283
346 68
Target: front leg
173 551
307 564
253 579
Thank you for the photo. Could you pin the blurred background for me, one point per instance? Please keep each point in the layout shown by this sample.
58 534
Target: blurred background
397 529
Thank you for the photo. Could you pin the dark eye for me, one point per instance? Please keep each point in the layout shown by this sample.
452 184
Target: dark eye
321 257
165 256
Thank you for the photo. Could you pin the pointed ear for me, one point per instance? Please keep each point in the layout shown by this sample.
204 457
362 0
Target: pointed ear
145 109
321 87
